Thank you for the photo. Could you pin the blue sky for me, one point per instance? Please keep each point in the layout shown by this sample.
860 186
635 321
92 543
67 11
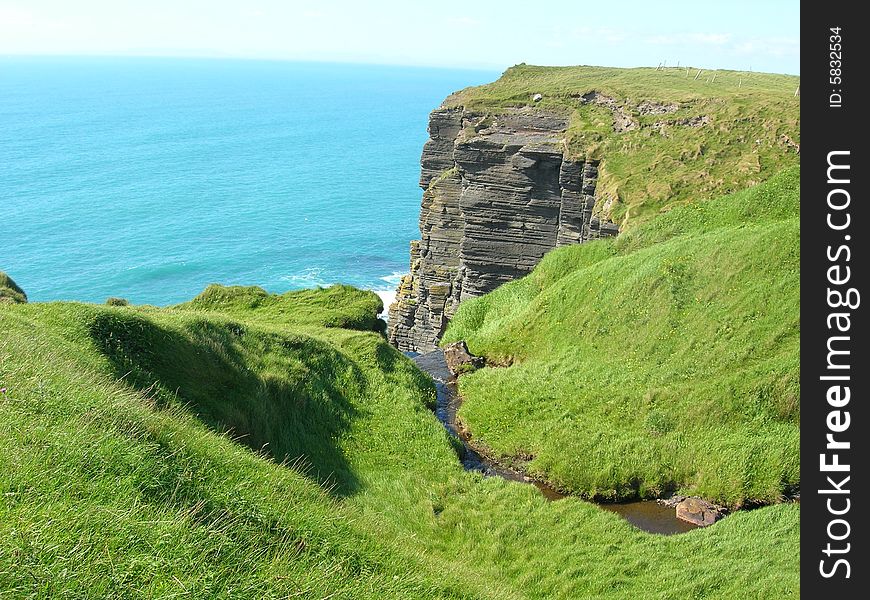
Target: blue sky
762 35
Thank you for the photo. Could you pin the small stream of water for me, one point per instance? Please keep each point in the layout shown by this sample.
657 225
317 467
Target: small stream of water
644 514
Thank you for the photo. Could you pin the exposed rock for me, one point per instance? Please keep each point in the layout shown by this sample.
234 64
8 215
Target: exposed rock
537 97
498 194
662 126
648 107
671 501
790 143
698 121
622 119
459 359
698 511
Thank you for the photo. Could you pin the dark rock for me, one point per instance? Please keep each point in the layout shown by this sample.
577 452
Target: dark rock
648 107
672 501
498 195
699 512
459 359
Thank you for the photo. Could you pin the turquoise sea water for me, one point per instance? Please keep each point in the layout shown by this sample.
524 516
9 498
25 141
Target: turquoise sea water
151 178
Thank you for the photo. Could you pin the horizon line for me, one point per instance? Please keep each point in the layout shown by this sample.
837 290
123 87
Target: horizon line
212 57
228 57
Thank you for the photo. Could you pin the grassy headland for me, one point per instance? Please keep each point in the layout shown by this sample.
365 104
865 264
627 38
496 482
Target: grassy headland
335 480
721 133
667 358
9 290
246 444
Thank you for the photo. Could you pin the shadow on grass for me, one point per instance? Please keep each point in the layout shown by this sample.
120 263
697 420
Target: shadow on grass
287 396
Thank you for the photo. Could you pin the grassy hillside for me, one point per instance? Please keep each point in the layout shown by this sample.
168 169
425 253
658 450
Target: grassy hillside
118 477
665 359
723 132
335 306
9 290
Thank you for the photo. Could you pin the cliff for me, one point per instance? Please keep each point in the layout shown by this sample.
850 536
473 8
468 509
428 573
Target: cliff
551 156
652 345
499 193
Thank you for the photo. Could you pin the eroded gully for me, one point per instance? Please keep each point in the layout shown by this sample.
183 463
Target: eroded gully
647 515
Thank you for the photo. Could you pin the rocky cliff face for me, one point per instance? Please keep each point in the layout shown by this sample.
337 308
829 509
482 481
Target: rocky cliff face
498 194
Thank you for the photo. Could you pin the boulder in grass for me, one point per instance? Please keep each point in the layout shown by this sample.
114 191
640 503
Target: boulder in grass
698 512
459 359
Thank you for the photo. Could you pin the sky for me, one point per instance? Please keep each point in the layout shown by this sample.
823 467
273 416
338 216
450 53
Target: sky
490 34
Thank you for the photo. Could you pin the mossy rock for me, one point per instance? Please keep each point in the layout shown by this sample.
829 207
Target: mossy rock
10 292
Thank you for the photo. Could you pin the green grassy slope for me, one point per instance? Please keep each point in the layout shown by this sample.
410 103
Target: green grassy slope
667 358
335 306
112 485
752 129
9 290
116 477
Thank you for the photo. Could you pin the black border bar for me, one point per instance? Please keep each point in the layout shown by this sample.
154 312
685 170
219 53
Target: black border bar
834 262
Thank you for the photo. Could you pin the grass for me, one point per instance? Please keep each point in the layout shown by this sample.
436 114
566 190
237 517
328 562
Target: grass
9 290
335 306
253 446
753 130
665 359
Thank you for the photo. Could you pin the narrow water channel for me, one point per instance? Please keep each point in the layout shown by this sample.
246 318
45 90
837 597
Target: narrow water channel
644 514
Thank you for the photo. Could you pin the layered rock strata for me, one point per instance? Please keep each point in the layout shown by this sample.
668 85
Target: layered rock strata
498 194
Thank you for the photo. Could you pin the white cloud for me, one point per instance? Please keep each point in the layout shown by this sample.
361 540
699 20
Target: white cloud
712 39
611 35
779 47
463 22
30 32
591 34
16 17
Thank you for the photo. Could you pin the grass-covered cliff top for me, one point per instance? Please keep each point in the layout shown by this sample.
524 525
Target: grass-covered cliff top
9 290
118 479
340 306
682 138
667 358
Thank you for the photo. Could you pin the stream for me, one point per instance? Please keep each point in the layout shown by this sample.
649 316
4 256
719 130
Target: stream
647 515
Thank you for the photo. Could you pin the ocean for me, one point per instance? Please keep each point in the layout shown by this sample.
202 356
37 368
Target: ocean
149 178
